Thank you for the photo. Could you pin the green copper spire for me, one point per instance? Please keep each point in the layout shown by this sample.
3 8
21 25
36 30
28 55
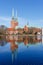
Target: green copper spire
16 15
13 13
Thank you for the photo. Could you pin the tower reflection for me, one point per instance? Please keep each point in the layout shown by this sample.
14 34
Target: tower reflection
16 40
42 39
13 46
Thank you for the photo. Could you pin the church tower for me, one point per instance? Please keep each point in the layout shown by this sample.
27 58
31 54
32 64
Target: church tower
26 28
14 21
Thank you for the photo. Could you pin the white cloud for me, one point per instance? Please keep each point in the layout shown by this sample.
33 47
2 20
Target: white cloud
21 21
6 21
4 18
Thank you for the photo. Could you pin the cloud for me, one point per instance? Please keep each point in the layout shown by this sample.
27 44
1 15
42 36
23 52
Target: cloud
4 18
22 22
6 21
20 19
9 18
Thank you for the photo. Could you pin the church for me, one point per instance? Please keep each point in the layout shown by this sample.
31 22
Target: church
25 30
14 24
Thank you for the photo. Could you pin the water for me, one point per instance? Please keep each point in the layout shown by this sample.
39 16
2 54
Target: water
21 50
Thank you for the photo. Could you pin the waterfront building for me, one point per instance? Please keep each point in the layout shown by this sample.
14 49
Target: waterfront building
14 24
14 21
42 31
26 30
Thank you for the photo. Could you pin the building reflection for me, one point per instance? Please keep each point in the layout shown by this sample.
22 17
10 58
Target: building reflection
13 46
3 40
16 40
25 39
42 39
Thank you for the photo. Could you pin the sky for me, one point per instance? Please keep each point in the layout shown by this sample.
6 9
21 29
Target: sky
28 11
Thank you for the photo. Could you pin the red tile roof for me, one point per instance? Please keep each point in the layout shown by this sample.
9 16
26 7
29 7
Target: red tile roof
10 29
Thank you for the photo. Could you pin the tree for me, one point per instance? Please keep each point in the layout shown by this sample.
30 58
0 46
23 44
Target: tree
3 29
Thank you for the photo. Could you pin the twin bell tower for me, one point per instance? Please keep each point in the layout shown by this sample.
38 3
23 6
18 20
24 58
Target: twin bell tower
14 21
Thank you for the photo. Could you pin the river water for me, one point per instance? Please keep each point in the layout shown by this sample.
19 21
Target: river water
21 50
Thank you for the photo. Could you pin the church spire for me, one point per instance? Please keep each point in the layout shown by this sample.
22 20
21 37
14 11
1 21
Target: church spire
16 13
27 23
13 13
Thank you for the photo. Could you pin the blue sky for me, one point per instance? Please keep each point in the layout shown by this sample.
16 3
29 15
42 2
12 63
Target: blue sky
30 11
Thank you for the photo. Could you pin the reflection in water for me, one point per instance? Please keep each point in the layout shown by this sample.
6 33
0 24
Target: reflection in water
42 39
16 40
13 47
3 40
